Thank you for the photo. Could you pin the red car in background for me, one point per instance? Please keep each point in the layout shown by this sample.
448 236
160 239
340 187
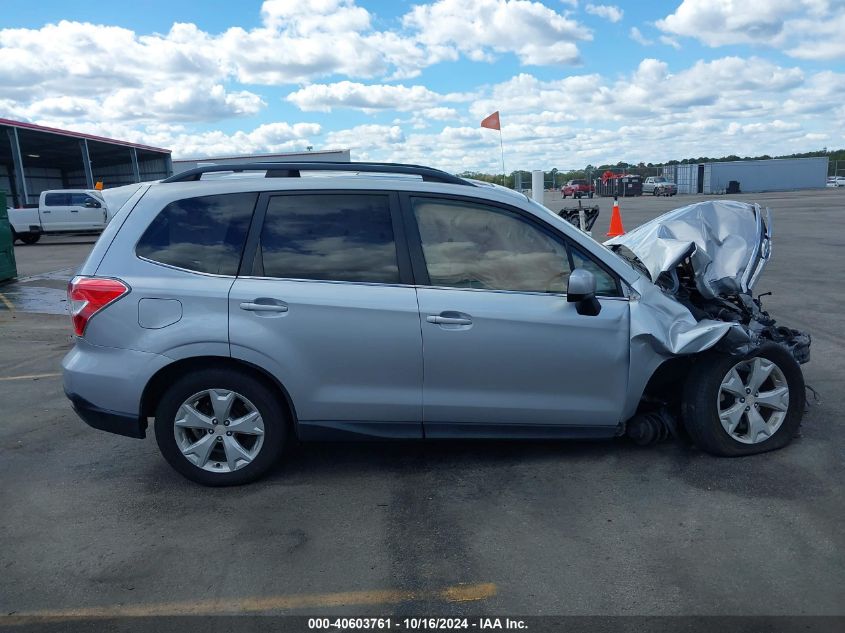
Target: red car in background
577 189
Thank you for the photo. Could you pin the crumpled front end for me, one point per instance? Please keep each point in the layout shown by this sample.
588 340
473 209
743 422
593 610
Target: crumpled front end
703 261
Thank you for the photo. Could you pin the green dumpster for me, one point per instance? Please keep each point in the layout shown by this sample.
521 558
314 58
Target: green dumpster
8 269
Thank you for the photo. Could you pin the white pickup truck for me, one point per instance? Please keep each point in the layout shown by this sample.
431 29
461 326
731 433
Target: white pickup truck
60 211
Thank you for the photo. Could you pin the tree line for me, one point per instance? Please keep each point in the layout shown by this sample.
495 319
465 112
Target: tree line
560 176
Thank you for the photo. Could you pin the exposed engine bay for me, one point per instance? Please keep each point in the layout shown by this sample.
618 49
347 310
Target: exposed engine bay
707 256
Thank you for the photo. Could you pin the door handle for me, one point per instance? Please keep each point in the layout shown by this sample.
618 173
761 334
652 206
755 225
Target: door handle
263 307
442 320
74 210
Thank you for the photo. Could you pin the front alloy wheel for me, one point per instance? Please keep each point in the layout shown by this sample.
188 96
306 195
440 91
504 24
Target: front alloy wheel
753 400
744 405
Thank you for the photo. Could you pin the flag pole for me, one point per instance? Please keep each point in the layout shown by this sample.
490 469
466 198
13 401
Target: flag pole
502 147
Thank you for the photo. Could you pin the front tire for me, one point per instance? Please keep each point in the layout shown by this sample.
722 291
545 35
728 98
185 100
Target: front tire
735 406
218 427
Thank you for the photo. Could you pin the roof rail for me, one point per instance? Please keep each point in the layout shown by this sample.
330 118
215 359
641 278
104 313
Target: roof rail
293 169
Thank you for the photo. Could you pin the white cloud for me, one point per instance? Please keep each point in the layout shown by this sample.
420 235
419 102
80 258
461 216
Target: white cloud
670 41
271 137
808 29
169 89
362 137
607 11
79 71
537 34
636 35
372 97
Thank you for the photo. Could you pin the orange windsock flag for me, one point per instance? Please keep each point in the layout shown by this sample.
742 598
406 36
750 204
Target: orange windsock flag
492 121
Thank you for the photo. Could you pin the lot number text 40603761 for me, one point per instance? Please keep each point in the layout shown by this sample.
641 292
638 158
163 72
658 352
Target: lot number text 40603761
416 624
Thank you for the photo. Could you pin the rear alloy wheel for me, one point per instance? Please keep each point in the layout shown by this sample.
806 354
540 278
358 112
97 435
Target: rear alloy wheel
740 406
220 428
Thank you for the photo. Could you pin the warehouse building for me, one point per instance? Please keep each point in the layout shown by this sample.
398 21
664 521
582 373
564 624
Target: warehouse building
34 158
777 174
329 156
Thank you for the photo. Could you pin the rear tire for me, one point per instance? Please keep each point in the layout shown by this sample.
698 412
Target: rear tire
234 458
29 238
712 406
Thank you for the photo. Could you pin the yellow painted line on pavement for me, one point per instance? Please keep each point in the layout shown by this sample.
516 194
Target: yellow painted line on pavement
29 377
7 302
456 593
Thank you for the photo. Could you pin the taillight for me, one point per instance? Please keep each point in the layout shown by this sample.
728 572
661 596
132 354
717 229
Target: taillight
88 295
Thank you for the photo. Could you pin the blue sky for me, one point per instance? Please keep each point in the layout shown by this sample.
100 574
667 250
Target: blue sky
576 82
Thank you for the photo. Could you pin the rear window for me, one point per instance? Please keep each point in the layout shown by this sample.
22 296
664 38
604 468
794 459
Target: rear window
332 237
57 199
205 234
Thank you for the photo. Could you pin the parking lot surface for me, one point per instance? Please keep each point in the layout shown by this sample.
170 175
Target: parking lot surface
96 524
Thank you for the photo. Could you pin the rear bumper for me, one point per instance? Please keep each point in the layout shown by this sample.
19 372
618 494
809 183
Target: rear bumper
105 420
106 385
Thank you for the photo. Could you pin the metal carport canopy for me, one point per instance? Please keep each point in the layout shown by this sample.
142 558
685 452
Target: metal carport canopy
34 158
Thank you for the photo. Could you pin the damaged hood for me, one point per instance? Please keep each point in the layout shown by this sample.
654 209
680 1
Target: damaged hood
728 244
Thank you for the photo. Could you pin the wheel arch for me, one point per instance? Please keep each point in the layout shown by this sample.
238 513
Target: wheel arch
667 381
165 376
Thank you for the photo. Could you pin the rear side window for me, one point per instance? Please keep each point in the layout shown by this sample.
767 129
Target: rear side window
57 199
332 237
205 234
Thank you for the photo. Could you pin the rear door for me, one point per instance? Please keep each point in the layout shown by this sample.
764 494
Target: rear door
87 212
504 353
55 213
324 302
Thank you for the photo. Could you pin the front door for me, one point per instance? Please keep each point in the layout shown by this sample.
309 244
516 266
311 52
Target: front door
504 353
321 304
87 212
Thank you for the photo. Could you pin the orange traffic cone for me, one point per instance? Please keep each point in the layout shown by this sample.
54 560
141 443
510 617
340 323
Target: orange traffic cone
616 228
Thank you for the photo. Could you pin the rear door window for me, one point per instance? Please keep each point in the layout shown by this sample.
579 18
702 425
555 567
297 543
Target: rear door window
205 234
57 200
331 237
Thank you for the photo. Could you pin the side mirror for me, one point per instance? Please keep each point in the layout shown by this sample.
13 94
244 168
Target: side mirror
92 204
581 290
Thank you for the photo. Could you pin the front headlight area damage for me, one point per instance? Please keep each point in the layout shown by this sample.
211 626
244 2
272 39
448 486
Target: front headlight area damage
699 265
707 257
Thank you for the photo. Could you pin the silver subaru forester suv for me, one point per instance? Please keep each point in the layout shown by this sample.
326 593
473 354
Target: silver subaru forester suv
243 307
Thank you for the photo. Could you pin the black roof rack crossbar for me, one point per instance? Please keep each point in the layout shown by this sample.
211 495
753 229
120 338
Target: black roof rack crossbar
293 169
